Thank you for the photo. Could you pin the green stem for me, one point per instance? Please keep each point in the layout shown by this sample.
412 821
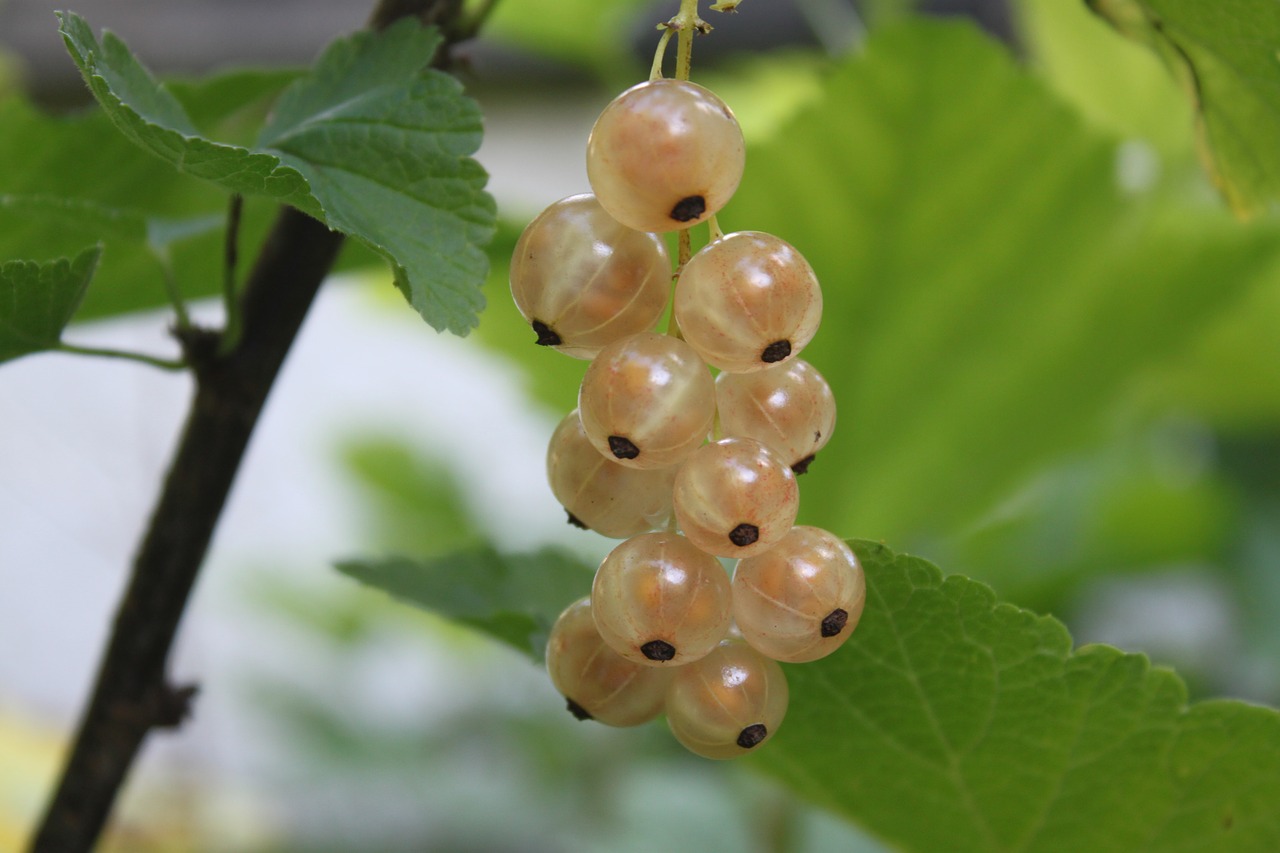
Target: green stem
162 363
688 22
655 72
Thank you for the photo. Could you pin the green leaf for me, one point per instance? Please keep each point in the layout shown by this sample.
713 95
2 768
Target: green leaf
952 722
1224 56
582 32
991 293
947 701
71 182
413 502
515 599
37 301
371 143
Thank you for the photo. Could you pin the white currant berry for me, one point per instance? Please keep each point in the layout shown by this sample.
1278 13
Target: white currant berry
735 497
748 300
582 279
647 401
597 682
658 600
802 599
788 407
665 155
598 493
727 703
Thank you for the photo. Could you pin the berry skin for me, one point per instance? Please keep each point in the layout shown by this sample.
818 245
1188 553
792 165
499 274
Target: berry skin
727 703
611 499
647 401
788 407
665 155
747 301
660 601
735 498
599 683
802 599
584 280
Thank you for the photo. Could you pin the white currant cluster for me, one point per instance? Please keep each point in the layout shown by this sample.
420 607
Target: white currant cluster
684 467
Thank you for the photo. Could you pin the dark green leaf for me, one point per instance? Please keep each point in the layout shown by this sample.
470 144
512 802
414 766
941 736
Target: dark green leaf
1224 56
37 301
370 142
952 722
513 598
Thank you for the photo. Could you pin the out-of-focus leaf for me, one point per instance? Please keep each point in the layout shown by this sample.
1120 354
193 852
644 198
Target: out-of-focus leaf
38 299
71 182
1117 85
1223 54
514 598
414 504
581 32
370 142
989 291
1140 503
952 722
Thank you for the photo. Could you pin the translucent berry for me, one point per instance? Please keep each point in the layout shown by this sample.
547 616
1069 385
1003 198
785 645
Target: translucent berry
800 600
788 407
604 496
735 498
582 279
597 682
665 155
647 401
658 600
747 301
727 703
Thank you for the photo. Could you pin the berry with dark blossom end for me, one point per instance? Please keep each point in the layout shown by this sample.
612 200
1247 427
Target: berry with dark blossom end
660 601
746 301
583 280
800 600
647 401
597 683
665 155
727 703
735 497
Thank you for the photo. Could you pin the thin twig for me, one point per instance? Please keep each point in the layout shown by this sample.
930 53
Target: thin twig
142 358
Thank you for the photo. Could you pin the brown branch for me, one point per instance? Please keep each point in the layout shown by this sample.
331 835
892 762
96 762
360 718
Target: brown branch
132 694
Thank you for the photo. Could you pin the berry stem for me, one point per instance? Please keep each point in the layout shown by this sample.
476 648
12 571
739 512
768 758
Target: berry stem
655 73
716 233
687 21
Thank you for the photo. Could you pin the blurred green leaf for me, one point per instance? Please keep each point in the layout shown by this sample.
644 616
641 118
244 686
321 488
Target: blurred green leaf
516 599
71 182
1115 84
990 292
1223 55
38 299
586 33
414 504
981 715
369 143
1139 503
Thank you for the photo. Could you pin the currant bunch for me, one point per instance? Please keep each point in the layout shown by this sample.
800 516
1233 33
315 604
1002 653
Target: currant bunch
684 467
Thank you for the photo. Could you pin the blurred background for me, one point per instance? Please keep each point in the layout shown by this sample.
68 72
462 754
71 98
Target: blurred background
1017 404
